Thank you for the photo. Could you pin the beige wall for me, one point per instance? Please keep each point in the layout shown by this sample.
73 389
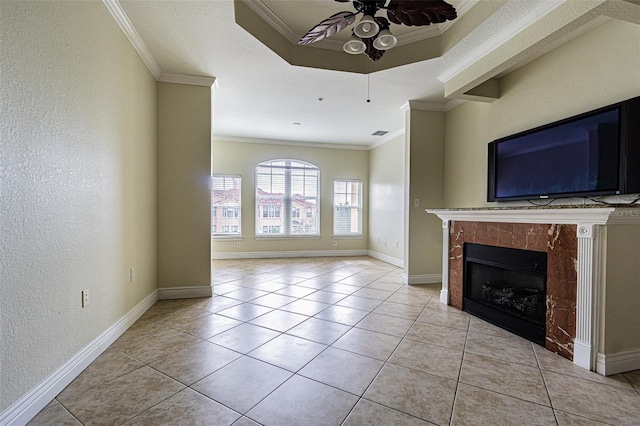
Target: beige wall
621 290
78 184
424 162
239 158
184 185
386 200
594 70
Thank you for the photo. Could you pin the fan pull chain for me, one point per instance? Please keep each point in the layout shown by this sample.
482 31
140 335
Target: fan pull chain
368 97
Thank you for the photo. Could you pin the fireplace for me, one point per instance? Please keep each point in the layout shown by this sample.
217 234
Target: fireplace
592 272
507 287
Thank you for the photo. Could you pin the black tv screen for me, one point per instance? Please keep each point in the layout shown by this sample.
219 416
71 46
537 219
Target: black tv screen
574 157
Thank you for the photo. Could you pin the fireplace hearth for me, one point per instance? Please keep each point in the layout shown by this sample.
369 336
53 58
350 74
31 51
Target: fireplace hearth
507 287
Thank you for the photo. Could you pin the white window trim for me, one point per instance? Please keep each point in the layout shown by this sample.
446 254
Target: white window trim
359 208
283 212
228 235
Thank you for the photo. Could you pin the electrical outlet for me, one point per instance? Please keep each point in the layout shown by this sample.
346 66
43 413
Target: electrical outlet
132 275
85 298
416 202
335 244
238 245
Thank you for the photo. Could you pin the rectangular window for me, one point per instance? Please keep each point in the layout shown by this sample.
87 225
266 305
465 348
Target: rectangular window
226 195
283 189
347 207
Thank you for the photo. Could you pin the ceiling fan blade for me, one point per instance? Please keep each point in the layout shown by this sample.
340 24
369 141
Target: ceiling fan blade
328 27
373 53
420 12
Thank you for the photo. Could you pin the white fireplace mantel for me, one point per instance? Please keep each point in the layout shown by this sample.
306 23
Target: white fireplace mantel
562 215
589 222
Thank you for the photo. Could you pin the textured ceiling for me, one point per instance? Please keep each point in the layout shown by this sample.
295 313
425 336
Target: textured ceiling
261 96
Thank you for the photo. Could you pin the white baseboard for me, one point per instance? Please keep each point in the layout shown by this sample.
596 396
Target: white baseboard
27 407
277 254
184 292
421 279
621 362
390 260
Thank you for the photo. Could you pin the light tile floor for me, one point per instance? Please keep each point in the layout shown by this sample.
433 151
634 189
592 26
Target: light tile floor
331 341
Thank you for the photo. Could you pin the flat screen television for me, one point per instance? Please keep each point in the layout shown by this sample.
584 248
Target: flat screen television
592 154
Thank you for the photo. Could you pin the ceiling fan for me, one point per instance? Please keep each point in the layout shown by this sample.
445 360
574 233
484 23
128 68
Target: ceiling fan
371 35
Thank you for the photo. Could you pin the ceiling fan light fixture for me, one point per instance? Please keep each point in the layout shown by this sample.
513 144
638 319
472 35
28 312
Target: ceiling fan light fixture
367 27
385 40
354 46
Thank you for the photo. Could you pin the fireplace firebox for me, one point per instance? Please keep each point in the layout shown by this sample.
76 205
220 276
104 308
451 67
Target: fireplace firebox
507 287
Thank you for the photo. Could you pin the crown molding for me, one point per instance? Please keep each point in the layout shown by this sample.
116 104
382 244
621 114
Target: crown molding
494 42
218 138
432 106
193 80
274 21
123 21
453 103
424 106
128 29
436 30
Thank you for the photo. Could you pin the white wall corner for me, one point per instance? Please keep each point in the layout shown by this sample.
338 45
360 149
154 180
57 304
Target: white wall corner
27 407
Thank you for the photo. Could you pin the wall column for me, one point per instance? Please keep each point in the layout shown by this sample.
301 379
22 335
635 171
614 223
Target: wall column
184 190
424 188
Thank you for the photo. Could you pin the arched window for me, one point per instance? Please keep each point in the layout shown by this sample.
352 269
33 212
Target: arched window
284 188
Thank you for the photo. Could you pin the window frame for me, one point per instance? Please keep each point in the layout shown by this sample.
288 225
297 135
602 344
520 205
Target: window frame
359 208
231 212
286 201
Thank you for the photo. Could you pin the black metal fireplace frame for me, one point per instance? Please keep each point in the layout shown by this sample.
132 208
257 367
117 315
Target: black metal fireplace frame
527 261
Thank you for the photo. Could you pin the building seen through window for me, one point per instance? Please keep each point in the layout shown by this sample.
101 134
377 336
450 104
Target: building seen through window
347 207
284 189
226 214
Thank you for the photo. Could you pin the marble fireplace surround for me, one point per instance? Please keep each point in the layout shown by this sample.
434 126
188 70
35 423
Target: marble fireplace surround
571 236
